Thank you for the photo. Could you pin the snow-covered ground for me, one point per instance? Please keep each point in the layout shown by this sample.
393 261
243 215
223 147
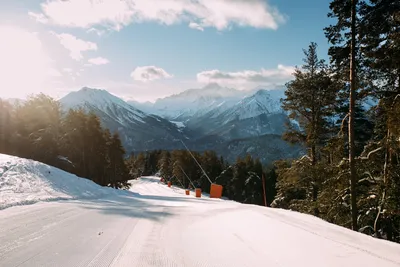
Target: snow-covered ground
153 225
25 181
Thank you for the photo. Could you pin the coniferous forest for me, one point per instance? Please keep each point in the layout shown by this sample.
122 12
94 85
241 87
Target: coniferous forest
350 173
75 141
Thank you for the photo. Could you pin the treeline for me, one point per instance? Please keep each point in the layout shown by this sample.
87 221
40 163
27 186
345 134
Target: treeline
75 141
351 174
242 180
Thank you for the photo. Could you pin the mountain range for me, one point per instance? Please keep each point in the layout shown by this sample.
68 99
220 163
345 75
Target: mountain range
229 121
139 131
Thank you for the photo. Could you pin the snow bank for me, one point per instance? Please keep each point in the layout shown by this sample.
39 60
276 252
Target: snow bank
24 181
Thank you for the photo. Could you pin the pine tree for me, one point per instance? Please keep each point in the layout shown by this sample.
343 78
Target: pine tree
225 179
37 129
270 184
348 59
310 99
73 144
165 164
381 42
96 148
118 171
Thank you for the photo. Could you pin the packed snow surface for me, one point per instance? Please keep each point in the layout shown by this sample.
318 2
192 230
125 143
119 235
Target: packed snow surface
153 225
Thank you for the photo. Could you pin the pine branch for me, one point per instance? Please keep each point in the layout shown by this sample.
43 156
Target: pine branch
371 153
342 125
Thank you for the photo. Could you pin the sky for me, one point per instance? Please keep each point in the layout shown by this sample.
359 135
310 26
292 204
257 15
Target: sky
149 49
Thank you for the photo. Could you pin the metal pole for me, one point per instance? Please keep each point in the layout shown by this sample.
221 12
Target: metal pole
180 182
187 176
196 162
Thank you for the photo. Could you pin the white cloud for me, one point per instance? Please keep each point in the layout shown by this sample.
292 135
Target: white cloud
39 17
248 78
115 14
96 31
195 26
74 45
98 61
149 73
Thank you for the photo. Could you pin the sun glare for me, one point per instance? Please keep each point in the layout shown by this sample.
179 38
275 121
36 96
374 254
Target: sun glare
24 66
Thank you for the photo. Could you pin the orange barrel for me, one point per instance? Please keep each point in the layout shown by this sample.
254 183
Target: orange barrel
169 184
187 192
216 191
198 192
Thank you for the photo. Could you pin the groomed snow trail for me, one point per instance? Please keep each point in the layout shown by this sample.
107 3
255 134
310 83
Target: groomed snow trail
159 226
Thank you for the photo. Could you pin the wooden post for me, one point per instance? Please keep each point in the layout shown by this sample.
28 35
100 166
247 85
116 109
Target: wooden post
265 196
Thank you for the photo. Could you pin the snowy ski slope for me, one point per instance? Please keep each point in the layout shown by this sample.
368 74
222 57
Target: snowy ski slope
153 225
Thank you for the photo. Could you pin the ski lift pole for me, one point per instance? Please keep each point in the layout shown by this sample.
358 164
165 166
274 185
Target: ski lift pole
180 182
187 176
196 162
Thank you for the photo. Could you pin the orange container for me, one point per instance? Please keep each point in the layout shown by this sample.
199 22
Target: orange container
216 191
187 192
169 184
198 192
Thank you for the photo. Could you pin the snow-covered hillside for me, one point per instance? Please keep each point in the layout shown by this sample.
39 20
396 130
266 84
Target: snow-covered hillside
24 181
153 225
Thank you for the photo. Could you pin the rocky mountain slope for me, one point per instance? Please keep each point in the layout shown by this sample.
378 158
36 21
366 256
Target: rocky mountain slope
138 130
254 115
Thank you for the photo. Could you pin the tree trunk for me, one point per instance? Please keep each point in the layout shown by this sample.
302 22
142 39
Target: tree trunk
353 174
313 155
385 173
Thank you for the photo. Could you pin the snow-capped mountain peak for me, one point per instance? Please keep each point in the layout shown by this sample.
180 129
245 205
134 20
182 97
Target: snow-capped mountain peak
261 102
99 98
199 101
209 92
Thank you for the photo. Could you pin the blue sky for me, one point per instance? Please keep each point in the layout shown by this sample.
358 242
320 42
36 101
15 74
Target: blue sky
146 49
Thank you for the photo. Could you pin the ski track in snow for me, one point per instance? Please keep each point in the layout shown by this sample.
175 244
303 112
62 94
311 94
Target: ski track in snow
159 226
